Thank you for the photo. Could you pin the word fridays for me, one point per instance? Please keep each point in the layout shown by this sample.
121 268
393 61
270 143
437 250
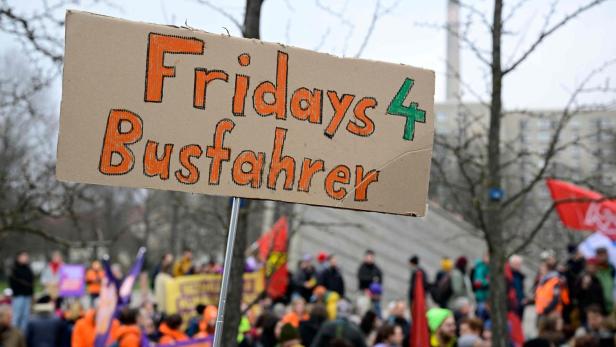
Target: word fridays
247 168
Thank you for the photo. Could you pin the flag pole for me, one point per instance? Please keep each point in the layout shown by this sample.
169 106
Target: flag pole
226 272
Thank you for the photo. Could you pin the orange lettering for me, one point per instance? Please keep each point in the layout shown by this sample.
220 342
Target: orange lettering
362 182
339 174
278 91
280 163
239 97
116 141
340 107
309 168
218 153
202 78
186 153
314 104
360 113
252 177
152 165
156 70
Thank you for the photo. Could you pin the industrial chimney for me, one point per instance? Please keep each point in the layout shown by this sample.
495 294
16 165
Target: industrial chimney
453 51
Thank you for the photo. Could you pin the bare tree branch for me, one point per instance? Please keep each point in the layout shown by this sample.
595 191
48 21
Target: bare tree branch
549 30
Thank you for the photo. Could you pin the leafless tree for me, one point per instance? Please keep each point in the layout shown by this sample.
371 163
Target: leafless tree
480 160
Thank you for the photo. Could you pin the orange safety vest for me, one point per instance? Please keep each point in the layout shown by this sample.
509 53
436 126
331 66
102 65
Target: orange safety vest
544 295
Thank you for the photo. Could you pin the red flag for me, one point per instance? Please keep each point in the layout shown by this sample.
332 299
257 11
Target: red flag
420 336
273 251
583 215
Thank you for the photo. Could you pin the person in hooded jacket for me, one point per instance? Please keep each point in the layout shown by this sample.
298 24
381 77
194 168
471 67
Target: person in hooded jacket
128 334
331 277
22 284
171 331
368 272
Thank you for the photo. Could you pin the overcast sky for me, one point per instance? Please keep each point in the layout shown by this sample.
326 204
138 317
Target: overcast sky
406 35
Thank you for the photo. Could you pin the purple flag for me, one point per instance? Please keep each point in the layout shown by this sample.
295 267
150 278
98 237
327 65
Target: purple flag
72 280
115 294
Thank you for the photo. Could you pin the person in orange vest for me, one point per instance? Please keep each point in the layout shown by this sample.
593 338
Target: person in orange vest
94 280
208 323
171 331
128 333
84 331
298 313
552 292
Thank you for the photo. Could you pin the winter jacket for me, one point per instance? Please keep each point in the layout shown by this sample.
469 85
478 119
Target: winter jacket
590 293
339 328
170 336
183 267
11 337
94 279
605 274
481 281
84 331
128 336
551 294
332 279
22 280
44 331
367 274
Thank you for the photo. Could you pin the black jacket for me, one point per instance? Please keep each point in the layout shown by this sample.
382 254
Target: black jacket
22 280
367 274
331 278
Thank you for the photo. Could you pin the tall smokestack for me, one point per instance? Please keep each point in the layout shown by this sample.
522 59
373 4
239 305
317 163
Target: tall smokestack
453 51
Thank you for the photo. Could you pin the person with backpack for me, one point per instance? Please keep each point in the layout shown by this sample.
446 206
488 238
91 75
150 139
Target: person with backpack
441 290
460 284
128 334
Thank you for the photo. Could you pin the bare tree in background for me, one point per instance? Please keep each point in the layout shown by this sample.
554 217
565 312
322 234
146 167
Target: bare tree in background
483 161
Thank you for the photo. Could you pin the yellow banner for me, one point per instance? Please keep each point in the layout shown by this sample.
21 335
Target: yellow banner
184 293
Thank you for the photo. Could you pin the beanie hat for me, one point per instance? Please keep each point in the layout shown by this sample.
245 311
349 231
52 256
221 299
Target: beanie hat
446 264
288 333
322 257
436 316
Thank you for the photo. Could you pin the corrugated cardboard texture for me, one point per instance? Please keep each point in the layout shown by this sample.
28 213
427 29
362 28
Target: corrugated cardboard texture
107 61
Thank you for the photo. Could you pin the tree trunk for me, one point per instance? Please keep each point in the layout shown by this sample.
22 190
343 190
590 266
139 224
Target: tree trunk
233 310
494 222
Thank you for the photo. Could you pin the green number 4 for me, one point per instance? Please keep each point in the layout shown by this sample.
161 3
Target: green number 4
411 112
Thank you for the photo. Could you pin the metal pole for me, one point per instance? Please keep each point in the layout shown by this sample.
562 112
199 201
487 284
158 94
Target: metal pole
226 273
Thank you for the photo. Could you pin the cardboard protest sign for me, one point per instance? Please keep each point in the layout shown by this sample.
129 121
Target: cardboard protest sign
72 280
162 107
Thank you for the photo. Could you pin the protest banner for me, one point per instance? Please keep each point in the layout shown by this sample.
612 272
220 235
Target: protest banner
72 281
163 107
184 293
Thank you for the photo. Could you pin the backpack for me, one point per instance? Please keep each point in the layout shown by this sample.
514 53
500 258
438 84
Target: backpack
442 290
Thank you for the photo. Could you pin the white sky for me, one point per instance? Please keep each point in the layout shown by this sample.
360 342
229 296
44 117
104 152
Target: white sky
543 81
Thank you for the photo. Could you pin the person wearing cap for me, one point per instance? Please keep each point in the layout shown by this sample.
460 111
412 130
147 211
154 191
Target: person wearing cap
368 272
588 290
44 329
441 290
460 283
442 327
321 262
331 278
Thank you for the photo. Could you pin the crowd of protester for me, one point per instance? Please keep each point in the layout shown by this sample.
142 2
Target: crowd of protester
573 301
